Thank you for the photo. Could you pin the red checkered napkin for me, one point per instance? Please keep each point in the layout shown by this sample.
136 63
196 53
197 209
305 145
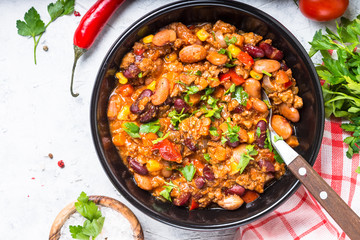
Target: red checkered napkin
302 217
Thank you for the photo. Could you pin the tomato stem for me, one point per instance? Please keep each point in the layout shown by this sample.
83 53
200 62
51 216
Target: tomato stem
78 52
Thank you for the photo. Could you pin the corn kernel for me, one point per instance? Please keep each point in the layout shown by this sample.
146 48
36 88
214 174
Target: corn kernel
234 50
152 86
153 165
251 136
124 113
121 77
233 167
256 75
171 57
148 39
202 34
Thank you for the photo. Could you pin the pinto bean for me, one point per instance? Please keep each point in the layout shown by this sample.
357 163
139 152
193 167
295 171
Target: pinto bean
267 65
144 182
259 105
281 126
164 37
136 166
161 92
193 53
253 87
216 58
182 199
230 202
290 113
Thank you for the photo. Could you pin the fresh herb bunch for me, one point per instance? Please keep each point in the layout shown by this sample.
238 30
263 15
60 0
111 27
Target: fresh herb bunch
94 220
34 27
341 74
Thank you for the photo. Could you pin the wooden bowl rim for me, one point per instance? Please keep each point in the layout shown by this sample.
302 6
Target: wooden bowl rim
104 201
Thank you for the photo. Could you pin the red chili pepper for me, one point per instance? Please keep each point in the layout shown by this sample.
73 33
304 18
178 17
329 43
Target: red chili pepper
89 28
245 58
194 205
168 151
231 75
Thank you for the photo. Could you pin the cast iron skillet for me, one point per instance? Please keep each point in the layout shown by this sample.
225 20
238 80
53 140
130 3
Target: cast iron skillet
309 130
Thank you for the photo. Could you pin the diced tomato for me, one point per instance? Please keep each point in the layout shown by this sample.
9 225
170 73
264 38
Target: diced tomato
245 58
248 105
287 84
126 90
194 204
231 75
199 167
250 196
139 51
168 151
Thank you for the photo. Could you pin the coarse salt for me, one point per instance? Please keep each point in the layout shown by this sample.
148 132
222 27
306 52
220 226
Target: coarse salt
115 225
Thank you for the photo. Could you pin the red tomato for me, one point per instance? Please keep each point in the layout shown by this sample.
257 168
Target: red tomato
323 10
126 90
168 151
194 205
245 58
231 75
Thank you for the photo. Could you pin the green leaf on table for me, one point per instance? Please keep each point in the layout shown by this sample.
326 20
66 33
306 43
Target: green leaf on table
32 26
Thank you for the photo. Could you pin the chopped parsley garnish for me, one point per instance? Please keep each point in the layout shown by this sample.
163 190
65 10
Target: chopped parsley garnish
232 134
196 73
213 131
277 138
258 131
160 139
354 140
207 157
277 157
246 157
94 222
140 75
240 95
208 92
231 89
150 127
266 73
267 103
226 52
176 117
214 110
188 172
132 129
228 65
228 41
167 190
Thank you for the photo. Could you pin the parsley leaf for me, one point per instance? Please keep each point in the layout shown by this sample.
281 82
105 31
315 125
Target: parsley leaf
207 157
150 127
240 95
251 151
228 41
94 220
231 89
277 138
246 157
176 117
226 52
278 157
34 26
188 172
167 190
192 72
160 139
132 129
228 65
232 133
258 131
213 131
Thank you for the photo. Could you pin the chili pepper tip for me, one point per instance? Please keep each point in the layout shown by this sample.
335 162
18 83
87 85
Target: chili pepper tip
78 52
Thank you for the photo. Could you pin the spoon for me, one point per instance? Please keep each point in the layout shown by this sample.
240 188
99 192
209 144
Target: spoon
343 215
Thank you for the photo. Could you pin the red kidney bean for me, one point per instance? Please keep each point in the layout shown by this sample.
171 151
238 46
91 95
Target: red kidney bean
180 105
283 66
238 109
131 72
137 167
190 144
271 52
199 182
208 173
236 189
260 140
233 144
134 108
138 58
182 199
254 51
268 165
149 114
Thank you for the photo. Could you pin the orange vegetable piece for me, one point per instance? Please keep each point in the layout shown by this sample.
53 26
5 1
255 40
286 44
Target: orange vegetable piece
250 196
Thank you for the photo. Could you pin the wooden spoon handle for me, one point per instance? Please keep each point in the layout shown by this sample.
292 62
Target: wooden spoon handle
327 197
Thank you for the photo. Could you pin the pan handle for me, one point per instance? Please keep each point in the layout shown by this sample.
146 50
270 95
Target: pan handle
343 215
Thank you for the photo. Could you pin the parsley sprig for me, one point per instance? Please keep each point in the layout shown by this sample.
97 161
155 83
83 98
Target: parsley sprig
232 134
94 220
169 186
341 90
188 172
246 157
34 27
176 117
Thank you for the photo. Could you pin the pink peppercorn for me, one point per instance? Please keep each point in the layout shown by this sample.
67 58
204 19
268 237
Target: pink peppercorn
77 14
61 164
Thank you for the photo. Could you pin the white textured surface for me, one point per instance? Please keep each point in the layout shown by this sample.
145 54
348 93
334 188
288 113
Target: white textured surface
39 116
